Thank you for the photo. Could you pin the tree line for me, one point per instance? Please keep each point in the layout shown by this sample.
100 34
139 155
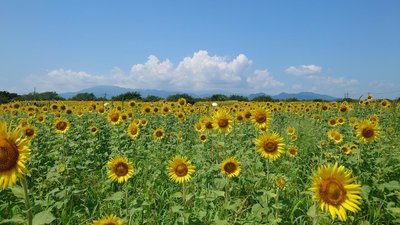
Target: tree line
6 97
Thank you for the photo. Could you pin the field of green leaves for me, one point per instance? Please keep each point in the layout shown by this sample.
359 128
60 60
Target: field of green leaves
68 173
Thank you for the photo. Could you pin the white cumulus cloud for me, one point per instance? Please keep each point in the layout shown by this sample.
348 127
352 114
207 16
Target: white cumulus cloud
262 80
200 72
303 69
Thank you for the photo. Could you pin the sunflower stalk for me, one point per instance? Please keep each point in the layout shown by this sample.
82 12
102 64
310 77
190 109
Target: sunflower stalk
29 216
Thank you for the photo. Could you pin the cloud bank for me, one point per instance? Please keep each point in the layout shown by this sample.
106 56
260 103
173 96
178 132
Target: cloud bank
200 72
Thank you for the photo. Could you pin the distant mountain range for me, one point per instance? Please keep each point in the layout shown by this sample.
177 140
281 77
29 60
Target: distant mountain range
111 91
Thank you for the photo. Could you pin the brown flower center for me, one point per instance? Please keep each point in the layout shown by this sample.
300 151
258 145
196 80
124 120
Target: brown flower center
261 117
133 130
8 155
223 122
203 137
367 132
230 167
159 133
114 117
332 192
61 125
181 170
121 169
94 129
29 132
270 146
209 125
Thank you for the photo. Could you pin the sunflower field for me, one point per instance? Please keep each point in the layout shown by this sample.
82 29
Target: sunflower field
77 162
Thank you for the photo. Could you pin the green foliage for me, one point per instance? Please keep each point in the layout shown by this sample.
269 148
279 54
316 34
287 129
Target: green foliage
239 98
263 98
152 98
6 97
133 95
84 97
176 97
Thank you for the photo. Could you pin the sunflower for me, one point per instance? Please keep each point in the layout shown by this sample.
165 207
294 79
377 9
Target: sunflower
114 117
222 121
61 125
133 130
230 167
384 104
333 187
332 122
208 124
159 133
120 169
367 131
280 181
14 153
239 117
29 131
144 122
290 130
261 118
93 130
108 220
40 118
199 127
345 149
180 169
270 145
203 137
182 102
335 136
292 151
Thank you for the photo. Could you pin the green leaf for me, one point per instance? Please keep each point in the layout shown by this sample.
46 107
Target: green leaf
44 217
116 196
15 219
18 191
312 211
219 193
176 208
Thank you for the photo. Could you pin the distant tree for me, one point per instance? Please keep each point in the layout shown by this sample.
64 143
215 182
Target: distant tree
291 100
6 97
50 95
133 95
176 97
219 97
238 98
152 98
263 98
84 97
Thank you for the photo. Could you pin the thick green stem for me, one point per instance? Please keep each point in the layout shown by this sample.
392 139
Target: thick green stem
29 216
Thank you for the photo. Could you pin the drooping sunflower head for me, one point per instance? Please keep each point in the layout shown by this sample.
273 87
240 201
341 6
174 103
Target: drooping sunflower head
14 153
367 131
61 125
270 146
159 133
120 169
222 121
180 169
230 167
261 118
133 130
333 187
108 220
335 136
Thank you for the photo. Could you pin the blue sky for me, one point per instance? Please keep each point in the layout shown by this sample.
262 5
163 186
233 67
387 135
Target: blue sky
329 47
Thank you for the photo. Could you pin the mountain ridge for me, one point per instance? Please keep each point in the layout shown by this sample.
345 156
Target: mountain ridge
110 91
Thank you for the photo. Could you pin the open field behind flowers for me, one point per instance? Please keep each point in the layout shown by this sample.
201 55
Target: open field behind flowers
175 163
